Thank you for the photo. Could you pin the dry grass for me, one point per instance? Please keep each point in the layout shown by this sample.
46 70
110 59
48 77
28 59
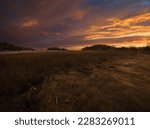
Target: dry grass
75 81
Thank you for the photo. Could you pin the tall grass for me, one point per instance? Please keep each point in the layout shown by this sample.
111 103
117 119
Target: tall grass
69 81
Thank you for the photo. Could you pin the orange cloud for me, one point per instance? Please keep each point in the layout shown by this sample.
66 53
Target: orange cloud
29 23
116 27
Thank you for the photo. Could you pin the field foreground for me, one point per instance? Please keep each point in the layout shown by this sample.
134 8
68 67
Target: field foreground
75 81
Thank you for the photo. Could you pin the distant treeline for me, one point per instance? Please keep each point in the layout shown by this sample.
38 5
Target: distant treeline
98 47
106 47
11 47
56 49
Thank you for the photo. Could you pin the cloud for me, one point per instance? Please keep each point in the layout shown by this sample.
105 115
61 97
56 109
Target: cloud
29 23
115 27
42 23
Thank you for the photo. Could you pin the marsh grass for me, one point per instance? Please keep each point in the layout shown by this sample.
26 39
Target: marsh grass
75 81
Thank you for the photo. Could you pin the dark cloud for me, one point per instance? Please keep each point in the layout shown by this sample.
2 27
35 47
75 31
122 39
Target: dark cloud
42 23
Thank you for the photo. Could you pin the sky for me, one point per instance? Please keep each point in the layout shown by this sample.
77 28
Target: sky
74 24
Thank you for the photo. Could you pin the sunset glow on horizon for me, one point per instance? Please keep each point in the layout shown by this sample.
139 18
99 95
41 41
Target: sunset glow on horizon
75 24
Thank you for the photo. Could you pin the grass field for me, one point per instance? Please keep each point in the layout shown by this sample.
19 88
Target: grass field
75 81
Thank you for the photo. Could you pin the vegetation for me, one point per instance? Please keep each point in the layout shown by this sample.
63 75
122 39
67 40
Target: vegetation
7 46
147 48
106 47
75 81
98 47
56 49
